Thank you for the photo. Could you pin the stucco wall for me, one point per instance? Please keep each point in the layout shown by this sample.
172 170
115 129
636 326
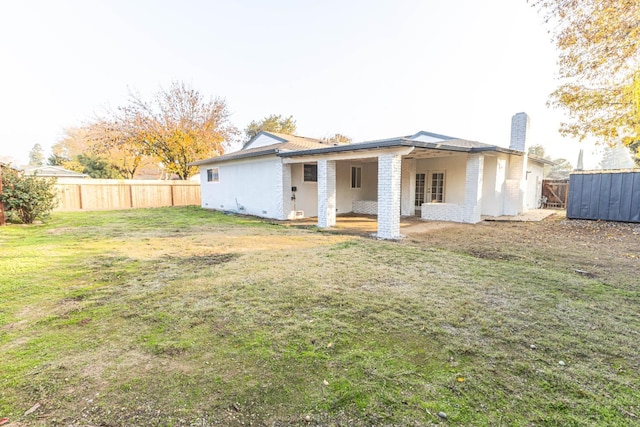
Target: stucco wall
246 186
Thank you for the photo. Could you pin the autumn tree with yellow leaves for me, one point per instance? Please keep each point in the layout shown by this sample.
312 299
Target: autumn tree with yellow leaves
599 67
178 126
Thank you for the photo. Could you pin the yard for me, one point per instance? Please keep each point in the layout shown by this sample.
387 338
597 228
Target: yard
186 317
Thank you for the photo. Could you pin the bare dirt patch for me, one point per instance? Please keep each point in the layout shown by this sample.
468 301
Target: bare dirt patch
602 249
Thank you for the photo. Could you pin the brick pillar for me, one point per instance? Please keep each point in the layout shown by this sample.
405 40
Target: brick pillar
285 178
389 181
473 189
408 191
326 193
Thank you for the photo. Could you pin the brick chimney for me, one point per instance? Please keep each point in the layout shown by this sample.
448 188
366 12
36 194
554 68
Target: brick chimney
519 129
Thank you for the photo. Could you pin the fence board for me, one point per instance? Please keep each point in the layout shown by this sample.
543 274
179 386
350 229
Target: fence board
555 193
605 195
109 194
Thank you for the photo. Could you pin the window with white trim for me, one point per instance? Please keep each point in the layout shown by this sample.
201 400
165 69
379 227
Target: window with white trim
213 175
356 177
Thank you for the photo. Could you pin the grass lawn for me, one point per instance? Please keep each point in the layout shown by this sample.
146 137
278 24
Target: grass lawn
186 317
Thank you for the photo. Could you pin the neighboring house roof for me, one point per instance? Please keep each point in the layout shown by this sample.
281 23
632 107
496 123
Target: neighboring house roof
53 172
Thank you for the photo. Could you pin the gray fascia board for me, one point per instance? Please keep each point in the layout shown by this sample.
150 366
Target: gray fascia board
495 148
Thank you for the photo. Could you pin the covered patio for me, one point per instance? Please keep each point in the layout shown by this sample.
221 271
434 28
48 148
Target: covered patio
367 225
400 179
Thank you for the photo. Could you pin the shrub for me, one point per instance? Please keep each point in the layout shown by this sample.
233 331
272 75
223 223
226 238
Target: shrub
27 196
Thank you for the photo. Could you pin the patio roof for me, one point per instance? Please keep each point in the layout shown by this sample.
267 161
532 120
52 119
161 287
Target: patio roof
456 145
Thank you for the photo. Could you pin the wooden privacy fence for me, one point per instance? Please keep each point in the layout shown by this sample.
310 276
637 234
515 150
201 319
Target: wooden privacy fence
108 194
556 193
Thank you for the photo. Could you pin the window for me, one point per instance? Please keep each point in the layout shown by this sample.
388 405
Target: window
356 177
420 177
310 173
213 175
437 187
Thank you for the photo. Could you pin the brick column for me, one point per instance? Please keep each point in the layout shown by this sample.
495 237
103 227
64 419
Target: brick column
408 191
473 189
285 178
326 193
389 180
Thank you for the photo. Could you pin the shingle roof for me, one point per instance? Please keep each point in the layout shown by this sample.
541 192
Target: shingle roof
461 145
293 143
303 146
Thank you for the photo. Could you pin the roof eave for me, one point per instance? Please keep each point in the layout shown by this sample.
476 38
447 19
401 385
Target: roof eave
222 159
400 142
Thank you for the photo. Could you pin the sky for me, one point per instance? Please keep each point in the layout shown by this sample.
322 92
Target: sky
365 69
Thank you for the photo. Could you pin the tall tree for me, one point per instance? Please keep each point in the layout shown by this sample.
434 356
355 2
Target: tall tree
537 150
599 43
75 142
272 123
179 126
36 156
76 152
339 138
116 138
616 157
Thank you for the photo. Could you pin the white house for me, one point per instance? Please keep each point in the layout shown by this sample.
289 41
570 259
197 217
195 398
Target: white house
432 176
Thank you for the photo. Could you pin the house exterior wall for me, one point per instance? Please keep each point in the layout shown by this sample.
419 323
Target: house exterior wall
534 177
306 194
472 207
515 185
493 187
347 196
454 168
408 191
252 187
